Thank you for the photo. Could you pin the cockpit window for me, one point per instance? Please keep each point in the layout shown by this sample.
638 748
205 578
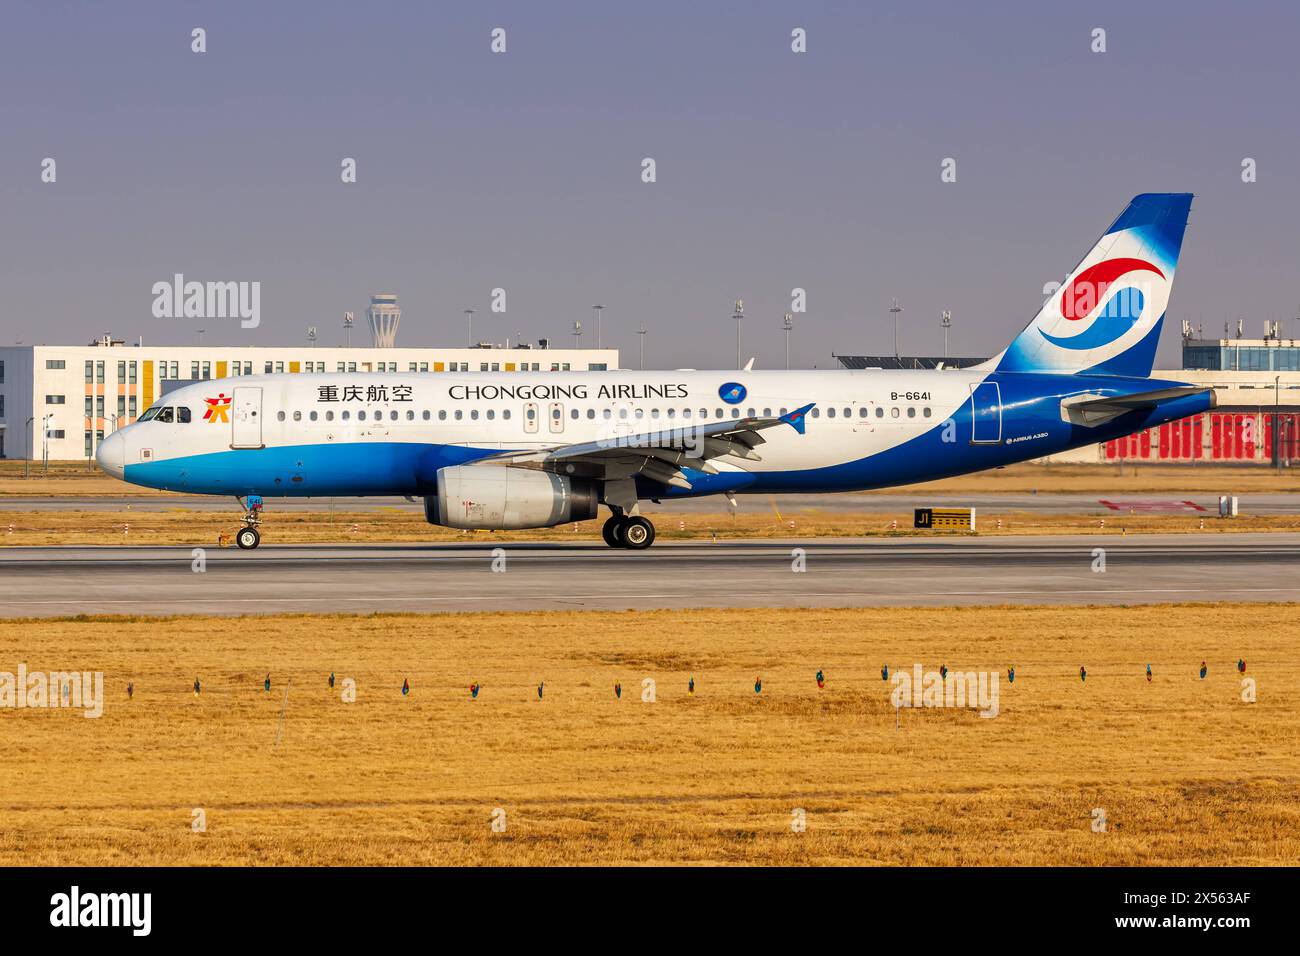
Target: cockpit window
149 413
164 414
182 415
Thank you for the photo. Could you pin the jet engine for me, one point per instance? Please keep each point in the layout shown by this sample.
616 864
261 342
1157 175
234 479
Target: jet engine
498 498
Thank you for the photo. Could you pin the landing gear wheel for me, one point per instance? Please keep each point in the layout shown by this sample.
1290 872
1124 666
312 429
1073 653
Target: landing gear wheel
637 534
610 532
248 538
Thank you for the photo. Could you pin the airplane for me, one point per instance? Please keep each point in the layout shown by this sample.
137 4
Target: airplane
515 450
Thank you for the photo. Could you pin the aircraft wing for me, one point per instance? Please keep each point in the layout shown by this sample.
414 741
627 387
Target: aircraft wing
1093 410
659 455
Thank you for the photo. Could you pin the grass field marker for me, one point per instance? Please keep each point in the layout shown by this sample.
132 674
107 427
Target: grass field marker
284 705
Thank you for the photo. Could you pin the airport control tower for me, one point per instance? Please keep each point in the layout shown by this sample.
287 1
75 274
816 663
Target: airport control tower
385 315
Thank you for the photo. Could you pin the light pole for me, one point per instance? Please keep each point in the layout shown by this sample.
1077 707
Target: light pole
27 444
348 319
598 309
469 317
311 335
738 313
45 444
640 333
946 322
897 310
577 330
787 325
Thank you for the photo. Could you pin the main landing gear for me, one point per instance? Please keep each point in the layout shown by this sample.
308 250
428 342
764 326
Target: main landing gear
634 533
248 536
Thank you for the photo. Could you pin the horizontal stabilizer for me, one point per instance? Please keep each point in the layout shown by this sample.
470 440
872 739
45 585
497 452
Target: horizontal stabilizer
1091 410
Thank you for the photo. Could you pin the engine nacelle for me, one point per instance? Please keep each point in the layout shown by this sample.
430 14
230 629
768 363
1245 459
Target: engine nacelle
497 498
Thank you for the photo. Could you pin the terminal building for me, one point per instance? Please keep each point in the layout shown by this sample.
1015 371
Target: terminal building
59 401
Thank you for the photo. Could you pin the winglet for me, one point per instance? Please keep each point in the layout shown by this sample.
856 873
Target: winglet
797 419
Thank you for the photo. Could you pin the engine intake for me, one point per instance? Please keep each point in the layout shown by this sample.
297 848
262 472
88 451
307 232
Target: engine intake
497 498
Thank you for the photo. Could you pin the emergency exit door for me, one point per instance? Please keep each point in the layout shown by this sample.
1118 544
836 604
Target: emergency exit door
986 413
246 417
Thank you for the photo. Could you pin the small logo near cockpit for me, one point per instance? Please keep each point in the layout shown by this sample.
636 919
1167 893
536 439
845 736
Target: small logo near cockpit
733 393
218 409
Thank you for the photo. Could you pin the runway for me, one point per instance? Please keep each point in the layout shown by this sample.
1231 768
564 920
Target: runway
1172 502
59 581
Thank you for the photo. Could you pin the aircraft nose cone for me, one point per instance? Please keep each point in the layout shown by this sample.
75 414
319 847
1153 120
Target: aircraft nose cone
111 456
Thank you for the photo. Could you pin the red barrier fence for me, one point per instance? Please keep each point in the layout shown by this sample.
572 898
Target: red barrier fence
1213 436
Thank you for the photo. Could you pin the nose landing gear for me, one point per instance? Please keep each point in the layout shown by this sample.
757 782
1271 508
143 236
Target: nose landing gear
634 533
248 536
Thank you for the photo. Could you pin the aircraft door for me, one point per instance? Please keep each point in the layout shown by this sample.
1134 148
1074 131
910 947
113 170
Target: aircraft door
986 413
555 415
530 418
246 417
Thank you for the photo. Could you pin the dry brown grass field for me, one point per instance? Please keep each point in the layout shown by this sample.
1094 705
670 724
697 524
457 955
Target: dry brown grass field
1185 771
79 478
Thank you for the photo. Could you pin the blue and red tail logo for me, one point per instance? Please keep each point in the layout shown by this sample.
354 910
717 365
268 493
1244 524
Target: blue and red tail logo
1085 296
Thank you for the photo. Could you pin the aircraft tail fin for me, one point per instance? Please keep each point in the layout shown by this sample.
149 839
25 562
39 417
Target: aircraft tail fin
1106 317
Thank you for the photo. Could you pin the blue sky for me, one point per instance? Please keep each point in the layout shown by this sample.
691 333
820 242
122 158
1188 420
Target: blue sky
522 170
